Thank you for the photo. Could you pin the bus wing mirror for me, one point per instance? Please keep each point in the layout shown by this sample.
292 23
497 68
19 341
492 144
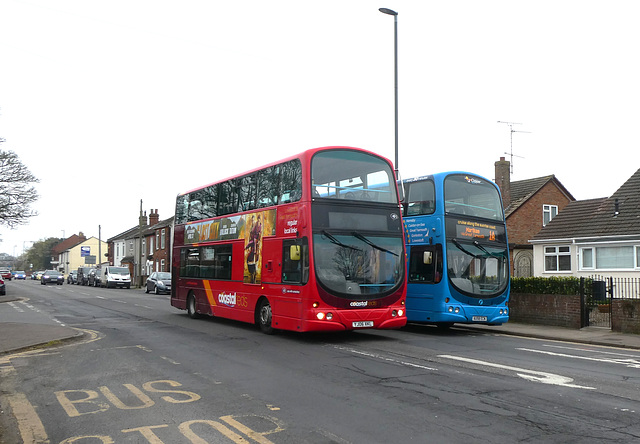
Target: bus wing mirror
427 258
294 252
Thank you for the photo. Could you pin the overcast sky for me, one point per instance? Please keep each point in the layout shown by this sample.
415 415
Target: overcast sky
108 103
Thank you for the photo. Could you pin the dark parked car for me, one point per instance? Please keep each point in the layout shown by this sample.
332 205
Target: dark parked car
83 275
94 277
52 277
73 277
20 275
159 282
3 291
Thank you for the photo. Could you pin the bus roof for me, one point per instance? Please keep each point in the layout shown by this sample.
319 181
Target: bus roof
444 173
304 154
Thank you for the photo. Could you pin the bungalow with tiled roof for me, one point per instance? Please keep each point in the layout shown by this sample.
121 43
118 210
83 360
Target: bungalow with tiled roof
594 236
529 205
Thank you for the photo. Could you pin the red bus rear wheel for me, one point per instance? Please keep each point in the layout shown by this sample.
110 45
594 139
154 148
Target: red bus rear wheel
191 306
264 317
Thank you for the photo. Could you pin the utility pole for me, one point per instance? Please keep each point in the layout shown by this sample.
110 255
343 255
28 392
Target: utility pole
511 131
138 255
99 245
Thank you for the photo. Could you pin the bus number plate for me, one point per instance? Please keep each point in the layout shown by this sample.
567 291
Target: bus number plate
479 319
361 324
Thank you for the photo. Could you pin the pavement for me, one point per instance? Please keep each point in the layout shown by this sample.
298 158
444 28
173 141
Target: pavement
39 331
16 336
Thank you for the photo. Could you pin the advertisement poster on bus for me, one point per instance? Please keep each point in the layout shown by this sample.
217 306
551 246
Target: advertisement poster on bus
251 228
228 228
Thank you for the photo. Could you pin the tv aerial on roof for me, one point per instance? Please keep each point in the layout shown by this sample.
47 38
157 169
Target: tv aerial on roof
511 131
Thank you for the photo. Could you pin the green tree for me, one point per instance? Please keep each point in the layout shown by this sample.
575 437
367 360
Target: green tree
16 190
39 255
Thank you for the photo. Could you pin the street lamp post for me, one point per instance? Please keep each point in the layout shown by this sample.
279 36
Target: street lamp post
395 66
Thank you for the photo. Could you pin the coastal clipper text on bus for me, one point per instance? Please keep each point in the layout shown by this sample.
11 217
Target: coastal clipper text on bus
311 243
458 259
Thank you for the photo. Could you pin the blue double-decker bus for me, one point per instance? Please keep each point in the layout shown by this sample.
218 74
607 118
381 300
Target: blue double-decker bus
457 251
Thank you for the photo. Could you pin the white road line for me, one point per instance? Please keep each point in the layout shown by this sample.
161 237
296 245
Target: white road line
16 307
383 358
631 363
530 375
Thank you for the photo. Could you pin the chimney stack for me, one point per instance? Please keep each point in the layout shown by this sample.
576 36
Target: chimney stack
154 218
503 180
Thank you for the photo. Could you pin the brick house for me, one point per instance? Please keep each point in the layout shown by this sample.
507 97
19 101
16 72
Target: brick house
594 236
529 205
145 247
158 243
125 249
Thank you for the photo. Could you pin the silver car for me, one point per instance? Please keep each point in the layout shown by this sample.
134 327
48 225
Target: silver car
159 282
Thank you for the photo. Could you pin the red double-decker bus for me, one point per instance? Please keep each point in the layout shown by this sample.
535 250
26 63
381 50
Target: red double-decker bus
310 243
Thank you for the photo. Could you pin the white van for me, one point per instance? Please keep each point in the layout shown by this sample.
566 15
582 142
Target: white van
115 277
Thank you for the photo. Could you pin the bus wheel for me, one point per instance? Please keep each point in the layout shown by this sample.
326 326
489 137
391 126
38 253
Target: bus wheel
191 306
264 317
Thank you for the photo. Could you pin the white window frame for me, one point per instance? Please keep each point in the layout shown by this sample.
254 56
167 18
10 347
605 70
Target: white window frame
162 238
592 251
594 258
548 212
557 251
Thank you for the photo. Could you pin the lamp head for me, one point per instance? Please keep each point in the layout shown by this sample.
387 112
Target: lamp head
387 11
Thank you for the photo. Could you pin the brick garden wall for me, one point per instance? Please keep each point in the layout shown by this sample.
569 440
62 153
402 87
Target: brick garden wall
625 316
564 311
545 309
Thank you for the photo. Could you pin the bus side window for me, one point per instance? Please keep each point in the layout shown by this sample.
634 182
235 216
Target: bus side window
295 261
425 264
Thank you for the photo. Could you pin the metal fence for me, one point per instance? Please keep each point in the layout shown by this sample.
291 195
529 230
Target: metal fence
617 288
597 301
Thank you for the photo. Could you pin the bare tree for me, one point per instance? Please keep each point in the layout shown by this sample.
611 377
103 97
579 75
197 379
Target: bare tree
16 191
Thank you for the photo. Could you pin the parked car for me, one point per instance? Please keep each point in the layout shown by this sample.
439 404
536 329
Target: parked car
5 273
94 277
159 282
83 275
36 275
20 275
3 290
52 277
72 278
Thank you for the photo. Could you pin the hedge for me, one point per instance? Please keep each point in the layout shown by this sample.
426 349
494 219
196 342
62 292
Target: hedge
550 285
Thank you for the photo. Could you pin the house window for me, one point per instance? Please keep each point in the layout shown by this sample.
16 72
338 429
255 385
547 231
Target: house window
162 265
608 258
557 258
158 240
162 237
587 258
548 213
150 245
